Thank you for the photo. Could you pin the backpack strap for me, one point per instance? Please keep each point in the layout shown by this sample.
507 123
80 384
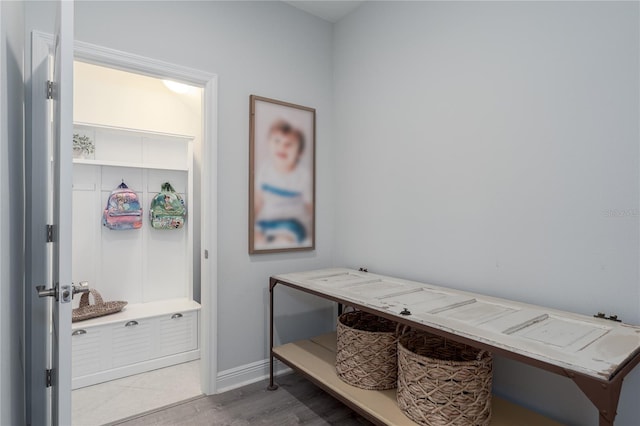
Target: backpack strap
167 187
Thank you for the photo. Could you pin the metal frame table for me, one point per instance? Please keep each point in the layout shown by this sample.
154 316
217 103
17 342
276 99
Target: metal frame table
563 343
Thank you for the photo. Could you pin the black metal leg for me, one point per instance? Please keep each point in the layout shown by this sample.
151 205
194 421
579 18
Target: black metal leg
272 386
339 309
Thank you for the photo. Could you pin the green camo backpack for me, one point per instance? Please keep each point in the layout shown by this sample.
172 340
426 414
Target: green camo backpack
167 209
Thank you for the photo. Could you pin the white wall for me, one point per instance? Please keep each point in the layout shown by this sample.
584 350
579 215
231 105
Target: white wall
492 147
264 48
116 98
12 373
122 99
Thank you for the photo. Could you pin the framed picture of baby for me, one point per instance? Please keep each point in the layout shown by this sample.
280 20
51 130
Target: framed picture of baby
281 176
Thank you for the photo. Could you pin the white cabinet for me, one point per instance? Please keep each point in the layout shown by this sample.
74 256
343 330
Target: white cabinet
143 337
87 347
178 333
132 341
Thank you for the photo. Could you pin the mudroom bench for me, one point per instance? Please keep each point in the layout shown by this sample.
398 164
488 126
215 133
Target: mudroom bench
143 337
595 353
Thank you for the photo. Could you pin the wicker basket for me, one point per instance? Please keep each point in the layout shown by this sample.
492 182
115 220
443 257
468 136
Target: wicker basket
367 351
443 383
99 308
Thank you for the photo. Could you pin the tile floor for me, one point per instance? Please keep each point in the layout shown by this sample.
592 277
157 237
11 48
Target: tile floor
115 400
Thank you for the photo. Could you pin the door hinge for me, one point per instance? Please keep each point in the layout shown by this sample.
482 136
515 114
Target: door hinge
50 87
49 233
48 377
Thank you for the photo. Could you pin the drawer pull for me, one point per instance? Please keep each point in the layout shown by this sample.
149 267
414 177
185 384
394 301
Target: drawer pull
174 316
79 332
131 323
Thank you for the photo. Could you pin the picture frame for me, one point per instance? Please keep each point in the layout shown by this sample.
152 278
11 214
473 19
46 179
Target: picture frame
282 170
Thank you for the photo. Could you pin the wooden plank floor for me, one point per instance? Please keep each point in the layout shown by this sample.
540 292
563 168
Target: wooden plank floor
296 402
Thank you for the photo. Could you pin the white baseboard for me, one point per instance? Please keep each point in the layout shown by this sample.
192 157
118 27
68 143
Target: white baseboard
246 374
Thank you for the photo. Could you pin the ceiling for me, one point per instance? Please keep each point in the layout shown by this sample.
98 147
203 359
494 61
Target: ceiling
328 10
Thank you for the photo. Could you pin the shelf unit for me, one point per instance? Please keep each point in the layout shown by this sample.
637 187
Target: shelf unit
596 354
133 147
315 359
150 269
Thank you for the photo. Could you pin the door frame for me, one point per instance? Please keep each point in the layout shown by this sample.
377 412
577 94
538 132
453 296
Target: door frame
98 55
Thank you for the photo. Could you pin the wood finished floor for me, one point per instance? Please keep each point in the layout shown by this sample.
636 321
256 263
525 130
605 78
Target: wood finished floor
296 402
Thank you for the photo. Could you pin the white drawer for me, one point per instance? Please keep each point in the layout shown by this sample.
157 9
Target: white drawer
158 336
87 348
178 333
133 341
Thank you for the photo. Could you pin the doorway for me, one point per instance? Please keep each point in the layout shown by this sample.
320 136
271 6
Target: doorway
137 143
197 185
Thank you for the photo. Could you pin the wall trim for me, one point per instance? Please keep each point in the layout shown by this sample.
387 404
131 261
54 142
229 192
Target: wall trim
247 374
100 55
130 62
124 61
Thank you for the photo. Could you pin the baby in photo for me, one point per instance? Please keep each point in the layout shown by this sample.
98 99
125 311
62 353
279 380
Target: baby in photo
283 190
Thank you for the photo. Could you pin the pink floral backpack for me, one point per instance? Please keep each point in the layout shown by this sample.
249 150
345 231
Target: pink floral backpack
123 209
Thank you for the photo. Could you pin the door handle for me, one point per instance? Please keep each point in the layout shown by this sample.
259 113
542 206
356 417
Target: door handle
55 292
82 287
47 292
67 291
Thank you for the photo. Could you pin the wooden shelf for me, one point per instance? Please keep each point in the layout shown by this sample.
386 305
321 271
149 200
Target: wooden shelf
315 359
125 164
142 132
134 148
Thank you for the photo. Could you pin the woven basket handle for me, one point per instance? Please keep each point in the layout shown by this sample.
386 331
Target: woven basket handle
97 299
480 355
402 329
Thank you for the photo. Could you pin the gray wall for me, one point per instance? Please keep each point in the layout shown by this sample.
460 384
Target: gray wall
493 147
264 48
12 373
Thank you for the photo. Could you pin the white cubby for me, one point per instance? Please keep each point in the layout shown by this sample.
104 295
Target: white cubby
150 269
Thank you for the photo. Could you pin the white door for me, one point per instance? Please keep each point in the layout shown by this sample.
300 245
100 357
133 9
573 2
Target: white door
62 186
60 286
